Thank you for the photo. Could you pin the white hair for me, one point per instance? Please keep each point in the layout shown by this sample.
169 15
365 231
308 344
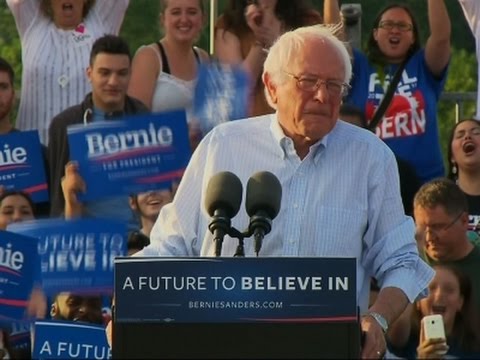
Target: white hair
291 43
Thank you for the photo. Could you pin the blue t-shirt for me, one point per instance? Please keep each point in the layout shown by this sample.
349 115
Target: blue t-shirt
409 126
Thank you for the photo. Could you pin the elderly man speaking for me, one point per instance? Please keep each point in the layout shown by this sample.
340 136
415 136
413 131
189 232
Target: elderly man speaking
340 183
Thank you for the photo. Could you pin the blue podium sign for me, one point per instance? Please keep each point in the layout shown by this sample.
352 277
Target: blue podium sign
22 166
70 340
137 154
19 267
230 290
76 255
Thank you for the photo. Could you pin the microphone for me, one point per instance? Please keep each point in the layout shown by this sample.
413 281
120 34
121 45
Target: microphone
264 195
222 201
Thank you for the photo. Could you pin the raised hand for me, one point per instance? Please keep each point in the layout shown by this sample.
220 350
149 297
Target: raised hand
265 26
72 184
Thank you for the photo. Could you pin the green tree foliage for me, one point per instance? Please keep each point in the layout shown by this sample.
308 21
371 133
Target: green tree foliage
141 25
462 37
10 47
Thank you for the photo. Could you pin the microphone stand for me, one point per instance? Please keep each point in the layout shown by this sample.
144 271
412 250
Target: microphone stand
234 233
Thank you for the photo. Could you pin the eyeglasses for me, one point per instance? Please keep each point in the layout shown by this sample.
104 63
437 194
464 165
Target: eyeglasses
334 88
400 25
438 230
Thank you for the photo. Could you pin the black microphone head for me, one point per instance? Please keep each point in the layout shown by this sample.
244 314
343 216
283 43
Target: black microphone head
224 191
264 192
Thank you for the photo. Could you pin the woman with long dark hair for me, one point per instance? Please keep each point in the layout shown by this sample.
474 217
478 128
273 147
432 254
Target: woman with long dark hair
451 295
464 168
247 29
409 124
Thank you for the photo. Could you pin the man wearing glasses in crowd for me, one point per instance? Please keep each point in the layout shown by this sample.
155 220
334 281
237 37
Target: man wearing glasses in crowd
441 216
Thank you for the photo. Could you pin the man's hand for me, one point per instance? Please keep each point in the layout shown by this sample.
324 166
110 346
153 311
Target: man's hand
37 304
72 183
375 345
265 26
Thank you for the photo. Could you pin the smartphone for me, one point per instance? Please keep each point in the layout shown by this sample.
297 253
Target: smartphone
433 327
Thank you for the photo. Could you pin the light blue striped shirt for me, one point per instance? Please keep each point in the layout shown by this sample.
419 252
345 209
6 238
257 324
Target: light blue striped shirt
341 200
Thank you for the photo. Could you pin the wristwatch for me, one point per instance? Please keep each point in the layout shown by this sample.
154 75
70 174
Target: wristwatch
380 320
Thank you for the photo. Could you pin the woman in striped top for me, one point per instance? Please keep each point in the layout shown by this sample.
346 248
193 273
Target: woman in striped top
56 37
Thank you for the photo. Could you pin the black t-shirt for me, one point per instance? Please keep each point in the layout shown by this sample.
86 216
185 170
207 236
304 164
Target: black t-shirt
473 212
409 184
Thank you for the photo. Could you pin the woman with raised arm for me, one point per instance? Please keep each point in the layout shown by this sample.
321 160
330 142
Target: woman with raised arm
56 37
248 28
409 124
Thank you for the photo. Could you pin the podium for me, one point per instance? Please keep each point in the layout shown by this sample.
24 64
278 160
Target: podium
249 308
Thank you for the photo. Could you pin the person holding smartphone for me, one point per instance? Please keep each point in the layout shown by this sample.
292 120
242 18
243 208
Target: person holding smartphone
450 296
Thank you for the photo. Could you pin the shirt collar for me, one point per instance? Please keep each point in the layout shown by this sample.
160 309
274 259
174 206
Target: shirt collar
285 144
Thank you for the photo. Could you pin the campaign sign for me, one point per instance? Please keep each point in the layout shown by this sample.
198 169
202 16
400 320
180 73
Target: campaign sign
213 290
20 339
76 255
69 340
133 155
22 166
221 95
19 268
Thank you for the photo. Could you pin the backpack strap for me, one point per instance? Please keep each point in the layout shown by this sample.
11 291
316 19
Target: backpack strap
387 99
